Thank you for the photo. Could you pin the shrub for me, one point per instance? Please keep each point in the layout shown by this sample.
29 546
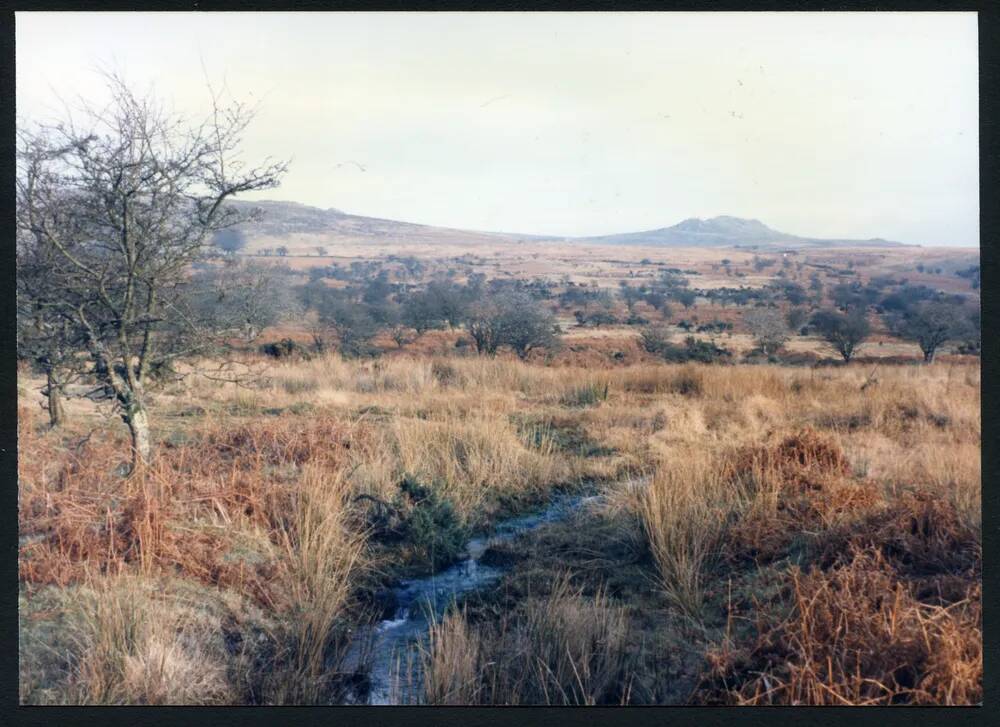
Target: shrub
285 348
655 341
654 338
431 524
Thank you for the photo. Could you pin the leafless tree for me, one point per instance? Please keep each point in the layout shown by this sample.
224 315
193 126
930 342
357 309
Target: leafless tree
245 296
631 295
845 332
768 328
230 240
46 336
400 334
515 320
121 206
931 324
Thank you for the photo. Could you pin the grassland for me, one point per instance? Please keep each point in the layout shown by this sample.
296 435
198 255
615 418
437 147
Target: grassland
807 535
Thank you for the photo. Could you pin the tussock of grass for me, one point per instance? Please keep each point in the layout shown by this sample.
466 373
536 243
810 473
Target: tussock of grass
684 512
471 462
560 649
132 653
585 395
323 556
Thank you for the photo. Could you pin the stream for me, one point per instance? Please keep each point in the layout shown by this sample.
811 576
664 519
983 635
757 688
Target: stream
418 599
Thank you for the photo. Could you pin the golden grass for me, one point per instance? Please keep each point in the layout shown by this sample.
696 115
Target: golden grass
559 649
684 512
132 648
450 664
323 556
254 496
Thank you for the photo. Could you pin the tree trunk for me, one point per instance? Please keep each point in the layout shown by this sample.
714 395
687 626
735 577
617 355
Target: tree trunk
53 392
929 354
138 427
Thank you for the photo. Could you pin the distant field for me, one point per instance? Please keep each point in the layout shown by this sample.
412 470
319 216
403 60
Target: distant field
606 265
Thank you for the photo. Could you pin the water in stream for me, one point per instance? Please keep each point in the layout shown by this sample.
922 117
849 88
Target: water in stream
420 598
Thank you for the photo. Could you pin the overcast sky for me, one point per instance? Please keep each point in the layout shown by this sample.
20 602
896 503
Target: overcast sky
819 124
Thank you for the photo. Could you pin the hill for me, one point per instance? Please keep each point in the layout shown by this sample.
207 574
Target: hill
303 225
727 231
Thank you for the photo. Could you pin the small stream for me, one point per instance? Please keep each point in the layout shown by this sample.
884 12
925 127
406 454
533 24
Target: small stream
418 598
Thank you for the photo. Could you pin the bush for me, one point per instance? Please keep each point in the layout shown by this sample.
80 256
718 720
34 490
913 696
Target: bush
714 327
431 524
285 348
694 350
654 338
845 332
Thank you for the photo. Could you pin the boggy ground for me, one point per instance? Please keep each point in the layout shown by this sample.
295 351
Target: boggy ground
806 535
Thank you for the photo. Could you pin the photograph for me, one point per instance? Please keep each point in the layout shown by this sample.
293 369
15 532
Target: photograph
480 358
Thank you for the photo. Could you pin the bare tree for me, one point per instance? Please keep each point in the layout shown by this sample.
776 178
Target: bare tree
528 326
400 335
230 240
121 208
796 317
245 296
630 295
46 337
514 320
421 312
654 338
931 324
485 325
768 328
843 331
354 324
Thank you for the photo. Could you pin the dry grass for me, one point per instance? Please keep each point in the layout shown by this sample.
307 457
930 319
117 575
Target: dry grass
833 481
323 554
684 512
875 494
261 510
858 636
131 652
560 649
472 462
451 663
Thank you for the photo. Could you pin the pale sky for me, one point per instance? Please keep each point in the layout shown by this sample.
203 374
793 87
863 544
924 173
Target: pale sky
818 124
